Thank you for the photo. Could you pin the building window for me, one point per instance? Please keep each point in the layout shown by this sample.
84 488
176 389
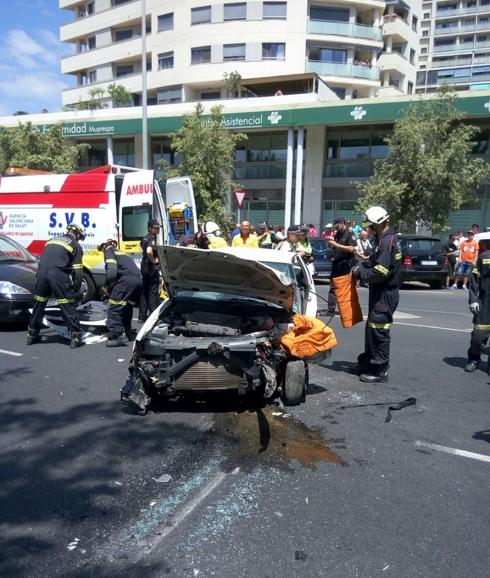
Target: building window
274 10
425 33
236 11
124 152
410 88
165 60
327 55
329 13
91 42
125 34
166 22
273 51
169 94
211 95
423 51
201 15
426 15
92 76
415 22
412 56
233 52
118 2
201 55
124 70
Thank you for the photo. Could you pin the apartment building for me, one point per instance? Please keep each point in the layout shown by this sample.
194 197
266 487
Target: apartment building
359 48
454 45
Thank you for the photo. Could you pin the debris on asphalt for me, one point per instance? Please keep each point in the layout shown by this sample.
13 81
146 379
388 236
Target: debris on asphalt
277 413
72 545
152 504
120 360
164 478
300 555
279 514
118 483
392 406
386 567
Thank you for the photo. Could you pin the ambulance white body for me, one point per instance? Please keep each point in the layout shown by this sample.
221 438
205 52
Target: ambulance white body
109 202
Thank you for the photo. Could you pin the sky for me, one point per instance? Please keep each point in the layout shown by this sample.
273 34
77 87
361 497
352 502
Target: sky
30 56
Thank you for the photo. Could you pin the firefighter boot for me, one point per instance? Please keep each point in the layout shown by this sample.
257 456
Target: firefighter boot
117 341
472 365
76 340
32 336
378 375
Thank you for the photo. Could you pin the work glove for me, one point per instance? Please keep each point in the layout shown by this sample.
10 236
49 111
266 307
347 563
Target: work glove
474 307
104 293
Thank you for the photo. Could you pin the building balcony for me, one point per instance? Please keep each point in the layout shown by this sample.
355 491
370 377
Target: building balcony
456 11
343 70
398 29
465 47
350 169
395 61
461 29
100 20
344 29
452 62
128 49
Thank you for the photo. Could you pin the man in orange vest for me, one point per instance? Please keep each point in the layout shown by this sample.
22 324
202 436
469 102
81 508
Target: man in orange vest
245 239
468 253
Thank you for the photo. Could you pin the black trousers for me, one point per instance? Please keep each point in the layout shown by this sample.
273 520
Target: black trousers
377 340
123 298
150 293
58 284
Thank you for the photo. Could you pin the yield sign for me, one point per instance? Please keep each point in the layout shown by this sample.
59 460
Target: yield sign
240 195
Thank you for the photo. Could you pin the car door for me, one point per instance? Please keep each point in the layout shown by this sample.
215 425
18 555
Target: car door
305 282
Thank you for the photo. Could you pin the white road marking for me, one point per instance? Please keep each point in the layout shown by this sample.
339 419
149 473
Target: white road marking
434 311
403 315
13 353
434 327
454 451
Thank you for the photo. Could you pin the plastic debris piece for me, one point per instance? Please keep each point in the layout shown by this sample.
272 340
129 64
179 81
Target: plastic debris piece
196 571
164 478
235 471
73 544
300 555
386 567
307 501
279 514
120 360
152 504
118 483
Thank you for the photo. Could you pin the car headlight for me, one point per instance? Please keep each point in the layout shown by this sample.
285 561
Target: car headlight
8 288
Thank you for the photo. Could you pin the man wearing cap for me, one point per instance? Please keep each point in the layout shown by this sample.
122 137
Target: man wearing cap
264 237
468 253
150 293
290 243
122 287
245 239
344 245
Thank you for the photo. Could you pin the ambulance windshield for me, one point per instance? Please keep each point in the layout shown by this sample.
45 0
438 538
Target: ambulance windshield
135 222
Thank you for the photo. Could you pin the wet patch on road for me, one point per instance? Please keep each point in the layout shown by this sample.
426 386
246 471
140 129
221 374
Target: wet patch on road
272 437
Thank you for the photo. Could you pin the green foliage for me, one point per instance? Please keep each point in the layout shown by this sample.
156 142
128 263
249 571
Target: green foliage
20 113
25 146
207 151
120 96
232 81
429 172
95 98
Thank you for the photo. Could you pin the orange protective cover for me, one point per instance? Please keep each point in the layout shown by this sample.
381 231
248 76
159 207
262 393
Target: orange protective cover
347 300
309 337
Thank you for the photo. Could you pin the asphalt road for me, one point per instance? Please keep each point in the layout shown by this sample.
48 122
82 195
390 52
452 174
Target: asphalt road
310 491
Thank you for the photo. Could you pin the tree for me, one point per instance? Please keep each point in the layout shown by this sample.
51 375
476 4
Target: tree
232 81
207 151
95 98
429 171
120 96
25 146
20 113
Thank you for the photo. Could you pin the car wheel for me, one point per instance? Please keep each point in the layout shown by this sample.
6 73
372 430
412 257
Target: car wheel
435 284
294 386
88 288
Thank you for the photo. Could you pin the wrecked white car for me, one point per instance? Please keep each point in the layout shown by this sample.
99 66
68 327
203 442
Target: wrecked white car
221 324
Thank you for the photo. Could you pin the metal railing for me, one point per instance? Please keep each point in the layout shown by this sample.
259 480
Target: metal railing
341 69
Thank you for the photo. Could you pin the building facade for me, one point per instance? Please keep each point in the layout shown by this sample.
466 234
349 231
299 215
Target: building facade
359 48
454 45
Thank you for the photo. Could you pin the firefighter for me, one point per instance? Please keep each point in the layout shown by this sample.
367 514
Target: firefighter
479 301
343 245
382 273
123 288
59 275
150 293
211 230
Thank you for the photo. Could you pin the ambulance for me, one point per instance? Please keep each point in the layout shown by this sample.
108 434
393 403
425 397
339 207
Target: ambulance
109 202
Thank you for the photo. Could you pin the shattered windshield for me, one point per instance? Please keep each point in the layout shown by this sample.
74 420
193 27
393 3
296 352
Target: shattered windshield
284 271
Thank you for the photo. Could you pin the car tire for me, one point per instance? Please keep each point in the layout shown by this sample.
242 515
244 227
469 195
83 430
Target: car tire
436 284
88 287
294 387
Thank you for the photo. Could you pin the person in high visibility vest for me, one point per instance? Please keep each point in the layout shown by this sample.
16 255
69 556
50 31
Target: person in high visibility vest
245 239
212 231
265 236
59 275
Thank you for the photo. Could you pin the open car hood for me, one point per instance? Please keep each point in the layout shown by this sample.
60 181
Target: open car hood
201 270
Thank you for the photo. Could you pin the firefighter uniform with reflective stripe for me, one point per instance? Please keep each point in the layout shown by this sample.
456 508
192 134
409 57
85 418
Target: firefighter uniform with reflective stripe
479 292
382 273
123 280
59 275
150 293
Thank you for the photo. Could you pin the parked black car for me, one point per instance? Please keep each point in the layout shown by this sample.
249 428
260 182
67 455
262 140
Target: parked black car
423 259
323 258
17 280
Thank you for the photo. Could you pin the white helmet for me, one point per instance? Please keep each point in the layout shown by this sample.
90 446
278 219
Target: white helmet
376 215
211 228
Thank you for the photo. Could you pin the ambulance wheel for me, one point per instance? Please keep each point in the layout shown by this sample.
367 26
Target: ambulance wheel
295 377
88 288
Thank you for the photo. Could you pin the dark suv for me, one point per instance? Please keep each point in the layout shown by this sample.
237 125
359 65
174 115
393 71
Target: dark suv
423 259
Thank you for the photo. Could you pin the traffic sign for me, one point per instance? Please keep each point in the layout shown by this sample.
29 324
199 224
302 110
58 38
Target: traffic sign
240 195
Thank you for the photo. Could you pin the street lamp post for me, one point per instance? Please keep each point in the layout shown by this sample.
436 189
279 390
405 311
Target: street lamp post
144 99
